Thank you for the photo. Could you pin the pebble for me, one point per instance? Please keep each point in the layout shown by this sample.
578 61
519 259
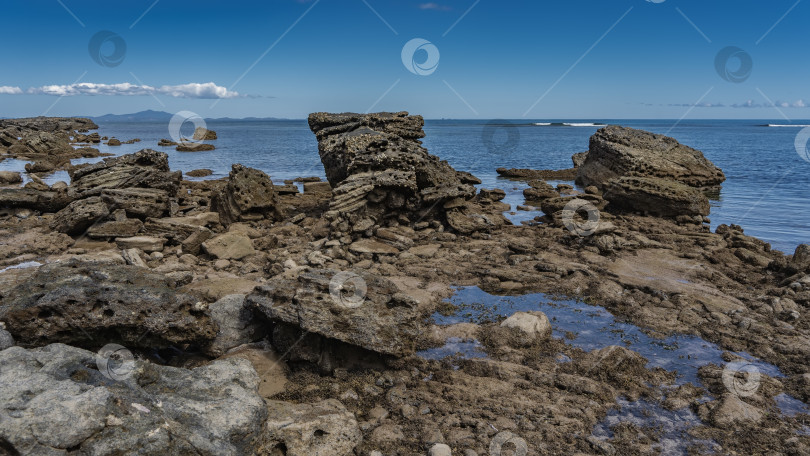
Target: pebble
439 449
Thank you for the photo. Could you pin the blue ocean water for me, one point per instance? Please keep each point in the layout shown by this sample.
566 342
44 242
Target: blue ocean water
765 191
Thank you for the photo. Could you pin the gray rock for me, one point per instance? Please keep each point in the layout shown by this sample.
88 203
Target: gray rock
236 324
617 152
79 215
662 197
6 339
321 429
63 400
80 303
362 309
248 194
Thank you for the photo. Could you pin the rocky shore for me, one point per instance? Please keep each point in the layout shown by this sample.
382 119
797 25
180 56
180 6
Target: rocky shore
142 312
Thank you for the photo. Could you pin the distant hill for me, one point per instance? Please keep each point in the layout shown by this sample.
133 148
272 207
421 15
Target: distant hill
160 116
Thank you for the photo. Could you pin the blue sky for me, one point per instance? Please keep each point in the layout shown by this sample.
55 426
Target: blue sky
587 59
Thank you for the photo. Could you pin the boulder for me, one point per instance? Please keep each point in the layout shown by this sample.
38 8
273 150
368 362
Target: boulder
10 177
138 202
360 309
61 400
539 190
45 143
81 304
325 428
235 322
730 410
113 142
229 246
144 169
248 194
378 168
801 257
203 134
656 196
534 324
617 152
79 215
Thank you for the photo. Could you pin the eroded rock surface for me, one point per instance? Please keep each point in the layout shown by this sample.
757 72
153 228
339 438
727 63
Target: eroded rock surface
82 304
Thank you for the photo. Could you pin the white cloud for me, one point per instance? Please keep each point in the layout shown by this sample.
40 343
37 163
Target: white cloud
746 104
207 90
6 90
434 6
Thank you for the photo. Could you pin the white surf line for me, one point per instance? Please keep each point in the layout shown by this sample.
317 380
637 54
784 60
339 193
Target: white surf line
577 62
250 68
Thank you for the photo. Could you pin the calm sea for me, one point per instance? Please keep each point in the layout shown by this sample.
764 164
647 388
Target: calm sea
765 191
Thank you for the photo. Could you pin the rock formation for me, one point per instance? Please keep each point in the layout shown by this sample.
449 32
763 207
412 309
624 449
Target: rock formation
378 318
78 303
379 171
646 172
248 195
203 134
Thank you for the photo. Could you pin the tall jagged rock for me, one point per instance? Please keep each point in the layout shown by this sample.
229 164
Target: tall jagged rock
378 169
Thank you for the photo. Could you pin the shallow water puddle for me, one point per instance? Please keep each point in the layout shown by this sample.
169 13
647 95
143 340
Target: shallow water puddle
670 427
455 346
592 327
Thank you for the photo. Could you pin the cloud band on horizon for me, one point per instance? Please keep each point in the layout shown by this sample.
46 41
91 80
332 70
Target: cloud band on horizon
207 90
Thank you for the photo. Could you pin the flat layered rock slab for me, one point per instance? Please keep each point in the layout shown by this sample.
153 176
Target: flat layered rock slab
83 304
360 309
372 246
